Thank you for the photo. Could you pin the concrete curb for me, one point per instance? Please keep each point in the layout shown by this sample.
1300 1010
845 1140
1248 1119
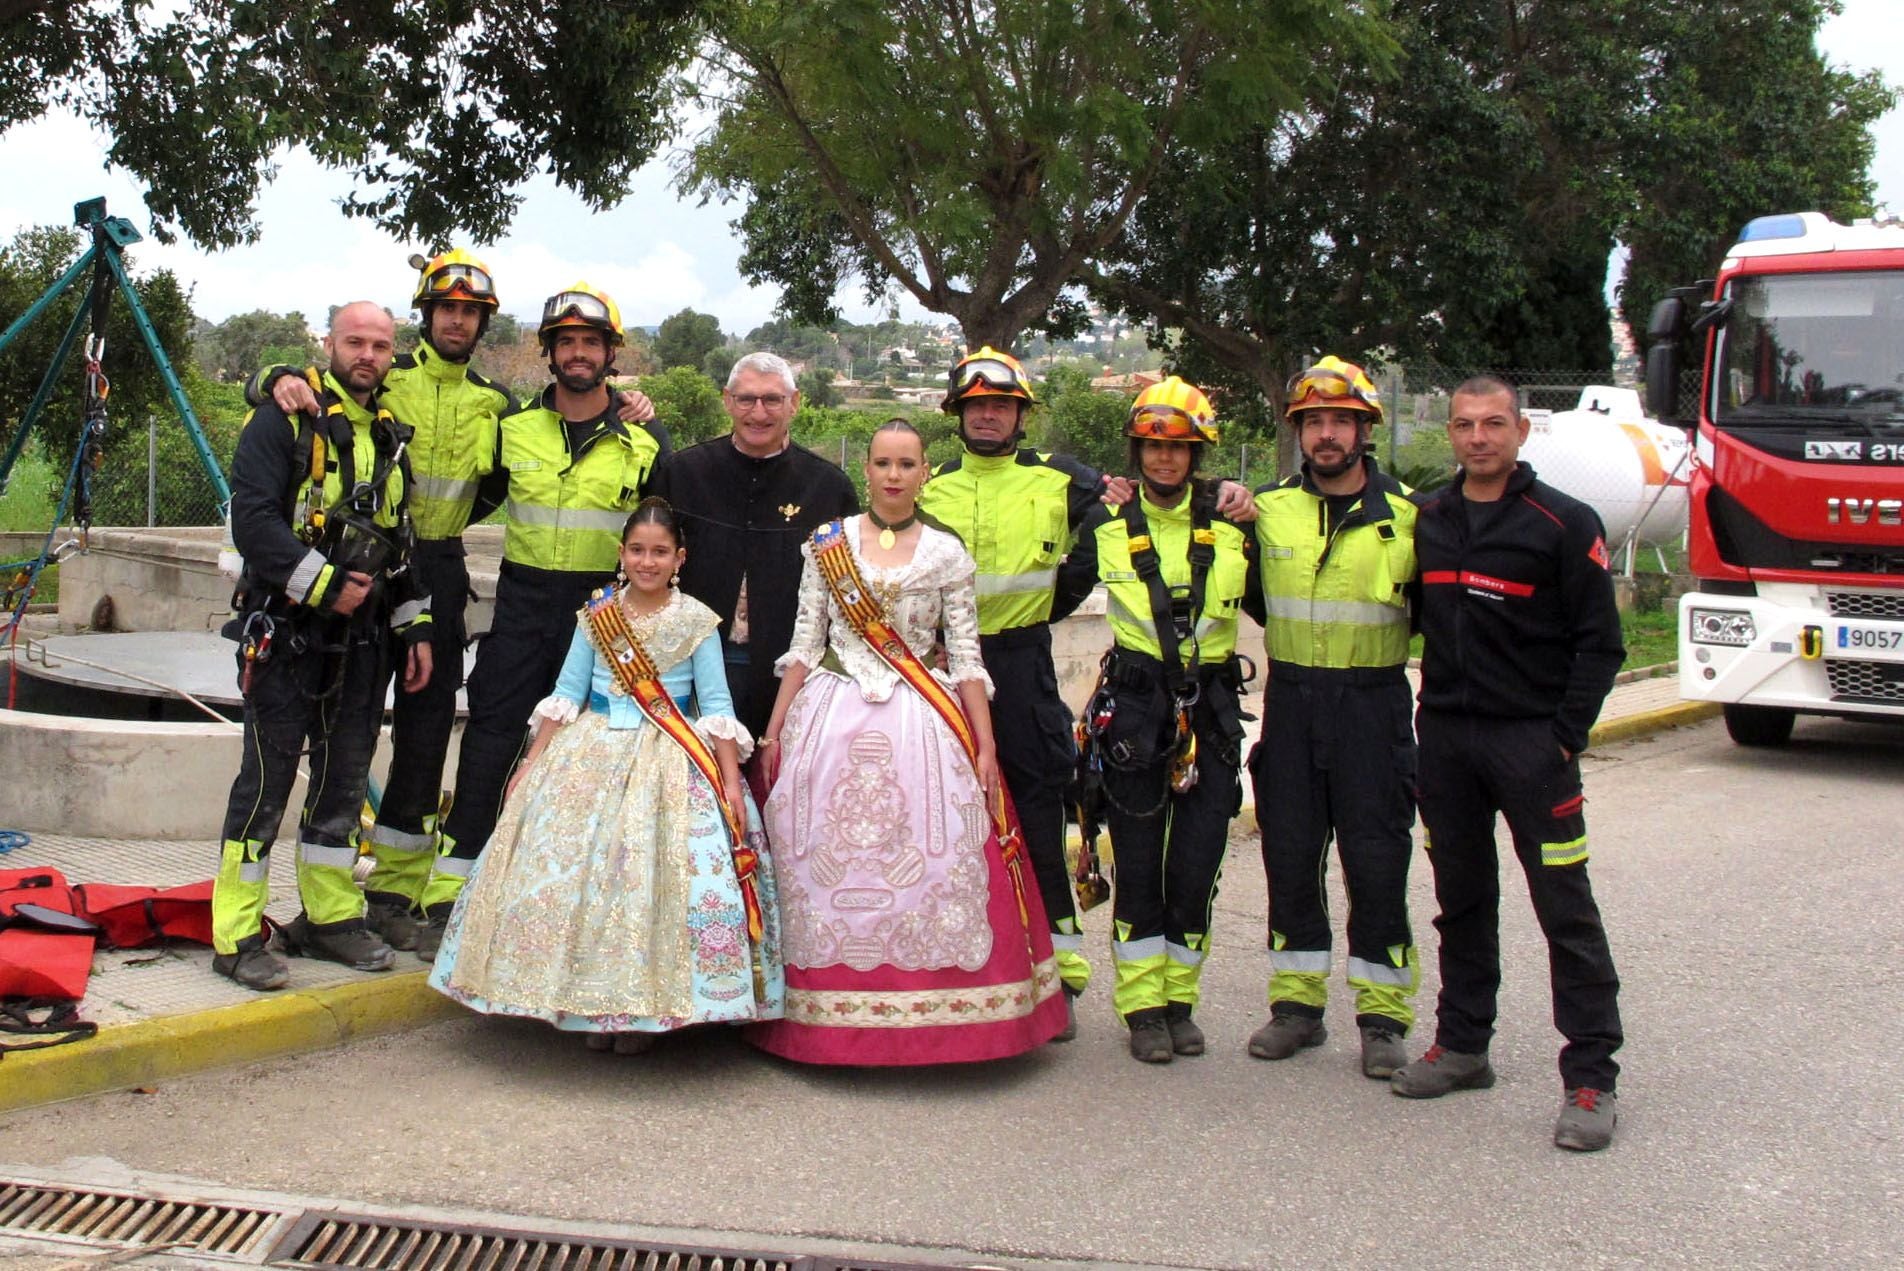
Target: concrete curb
1646 723
126 1056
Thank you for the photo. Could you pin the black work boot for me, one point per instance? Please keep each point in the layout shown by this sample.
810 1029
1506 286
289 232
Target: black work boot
436 921
349 942
1185 1037
1149 1035
1070 1030
393 917
1382 1051
254 965
1284 1035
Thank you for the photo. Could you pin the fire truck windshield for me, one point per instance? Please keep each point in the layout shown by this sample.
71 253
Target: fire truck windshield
1800 348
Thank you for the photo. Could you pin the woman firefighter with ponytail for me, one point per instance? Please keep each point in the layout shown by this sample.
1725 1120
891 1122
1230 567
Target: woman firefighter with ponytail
1164 728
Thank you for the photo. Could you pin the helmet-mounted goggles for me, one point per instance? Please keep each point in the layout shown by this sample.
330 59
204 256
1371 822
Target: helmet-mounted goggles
469 282
1321 386
591 309
992 373
1169 423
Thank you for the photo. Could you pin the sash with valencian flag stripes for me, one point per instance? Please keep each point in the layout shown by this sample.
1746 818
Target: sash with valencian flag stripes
835 558
636 672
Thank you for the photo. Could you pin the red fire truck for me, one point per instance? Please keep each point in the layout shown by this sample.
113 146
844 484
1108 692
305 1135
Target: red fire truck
1797 491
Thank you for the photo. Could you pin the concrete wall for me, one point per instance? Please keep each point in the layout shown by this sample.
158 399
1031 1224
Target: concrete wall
126 779
159 580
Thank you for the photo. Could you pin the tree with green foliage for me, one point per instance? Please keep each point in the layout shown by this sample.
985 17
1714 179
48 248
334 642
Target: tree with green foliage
719 363
687 402
235 348
31 263
1461 208
1077 420
978 157
1454 208
686 338
439 111
816 388
1752 121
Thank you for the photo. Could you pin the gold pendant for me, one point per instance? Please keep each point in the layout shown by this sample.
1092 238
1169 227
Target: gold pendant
886 540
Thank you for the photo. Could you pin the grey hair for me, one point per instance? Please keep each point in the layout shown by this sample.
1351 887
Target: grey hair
763 364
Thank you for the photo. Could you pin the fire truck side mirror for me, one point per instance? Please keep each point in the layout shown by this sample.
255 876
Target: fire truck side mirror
1664 329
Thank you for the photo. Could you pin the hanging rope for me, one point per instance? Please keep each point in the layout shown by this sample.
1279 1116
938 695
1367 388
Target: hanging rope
23 577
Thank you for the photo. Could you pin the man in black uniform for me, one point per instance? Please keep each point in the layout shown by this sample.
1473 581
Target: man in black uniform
1521 641
747 500
329 600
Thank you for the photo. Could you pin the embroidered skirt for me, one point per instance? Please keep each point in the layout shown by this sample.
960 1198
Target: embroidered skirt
906 938
606 900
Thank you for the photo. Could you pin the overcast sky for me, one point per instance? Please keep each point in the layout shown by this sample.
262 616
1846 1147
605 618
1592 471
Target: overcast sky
656 253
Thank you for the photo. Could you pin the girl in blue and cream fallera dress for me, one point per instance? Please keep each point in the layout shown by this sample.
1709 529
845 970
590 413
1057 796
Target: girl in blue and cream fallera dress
608 901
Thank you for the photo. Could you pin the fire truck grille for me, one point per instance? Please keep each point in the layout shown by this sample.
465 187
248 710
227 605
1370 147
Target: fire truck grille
1867 604
1881 683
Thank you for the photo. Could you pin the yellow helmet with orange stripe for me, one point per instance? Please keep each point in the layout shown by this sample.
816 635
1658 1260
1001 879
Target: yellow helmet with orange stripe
1173 410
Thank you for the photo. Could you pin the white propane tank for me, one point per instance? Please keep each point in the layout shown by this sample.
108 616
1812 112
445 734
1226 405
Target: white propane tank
1605 452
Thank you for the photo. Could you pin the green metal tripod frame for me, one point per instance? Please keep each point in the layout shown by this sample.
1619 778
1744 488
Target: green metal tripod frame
110 235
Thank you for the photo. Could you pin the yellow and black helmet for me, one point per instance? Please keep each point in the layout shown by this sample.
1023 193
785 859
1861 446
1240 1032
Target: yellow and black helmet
580 305
1173 410
986 373
1333 384
454 275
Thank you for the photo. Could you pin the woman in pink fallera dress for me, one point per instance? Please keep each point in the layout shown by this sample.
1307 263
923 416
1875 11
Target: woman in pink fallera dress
911 928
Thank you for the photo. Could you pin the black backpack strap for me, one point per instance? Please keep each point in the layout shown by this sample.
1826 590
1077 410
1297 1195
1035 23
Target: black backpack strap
1144 561
52 1022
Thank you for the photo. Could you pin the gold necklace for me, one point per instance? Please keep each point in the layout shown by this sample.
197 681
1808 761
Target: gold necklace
889 531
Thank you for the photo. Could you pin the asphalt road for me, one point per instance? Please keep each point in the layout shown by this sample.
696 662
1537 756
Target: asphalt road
1754 899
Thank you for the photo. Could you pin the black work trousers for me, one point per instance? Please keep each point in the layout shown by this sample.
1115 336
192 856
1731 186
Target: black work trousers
323 686
517 663
1337 758
1169 852
1471 768
421 722
1036 755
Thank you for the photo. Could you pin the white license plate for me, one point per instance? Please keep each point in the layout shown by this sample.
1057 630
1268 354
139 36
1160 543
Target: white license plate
1874 641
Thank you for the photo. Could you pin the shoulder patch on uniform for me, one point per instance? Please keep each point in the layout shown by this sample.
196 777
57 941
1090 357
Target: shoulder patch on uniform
1597 553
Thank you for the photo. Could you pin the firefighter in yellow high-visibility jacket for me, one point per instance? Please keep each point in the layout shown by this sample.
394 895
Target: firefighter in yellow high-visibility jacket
1164 730
1336 546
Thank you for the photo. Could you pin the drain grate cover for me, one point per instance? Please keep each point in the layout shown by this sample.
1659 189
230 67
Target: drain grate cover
117 1217
328 1239
286 1232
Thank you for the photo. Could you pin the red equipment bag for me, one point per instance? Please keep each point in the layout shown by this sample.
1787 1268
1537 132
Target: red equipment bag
132 916
36 959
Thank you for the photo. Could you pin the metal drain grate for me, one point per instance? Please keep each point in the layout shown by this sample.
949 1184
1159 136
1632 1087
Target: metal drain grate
323 1239
126 1218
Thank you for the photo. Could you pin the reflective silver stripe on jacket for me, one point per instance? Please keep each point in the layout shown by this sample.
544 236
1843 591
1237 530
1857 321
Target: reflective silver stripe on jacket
1363 613
408 612
298 585
566 518
446 489
1014 584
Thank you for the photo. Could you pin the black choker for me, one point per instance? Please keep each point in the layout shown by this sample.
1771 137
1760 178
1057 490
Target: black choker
888 533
